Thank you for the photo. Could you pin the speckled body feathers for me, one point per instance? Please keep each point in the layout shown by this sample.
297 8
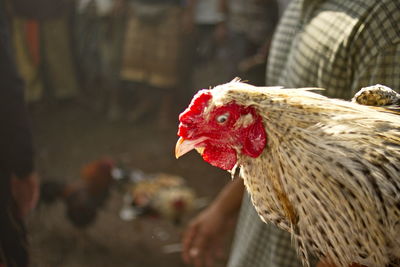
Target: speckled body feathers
330 173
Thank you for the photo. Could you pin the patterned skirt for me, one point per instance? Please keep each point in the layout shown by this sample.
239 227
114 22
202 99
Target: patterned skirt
152 45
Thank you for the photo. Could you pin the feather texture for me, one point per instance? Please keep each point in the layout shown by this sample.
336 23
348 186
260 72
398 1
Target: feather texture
329 174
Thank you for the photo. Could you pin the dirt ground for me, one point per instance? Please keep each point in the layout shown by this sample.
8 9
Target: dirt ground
68 135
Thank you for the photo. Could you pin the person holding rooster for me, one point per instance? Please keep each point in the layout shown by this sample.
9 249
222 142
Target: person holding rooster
18 181
330 44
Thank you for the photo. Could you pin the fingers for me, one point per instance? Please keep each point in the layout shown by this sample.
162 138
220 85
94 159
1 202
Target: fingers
215 251
198 250
209 256
187 240
203 238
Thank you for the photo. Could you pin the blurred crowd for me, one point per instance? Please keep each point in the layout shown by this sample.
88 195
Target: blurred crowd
129 58
125 58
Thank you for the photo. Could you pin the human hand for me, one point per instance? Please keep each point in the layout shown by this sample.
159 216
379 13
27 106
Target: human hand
25 192
204 239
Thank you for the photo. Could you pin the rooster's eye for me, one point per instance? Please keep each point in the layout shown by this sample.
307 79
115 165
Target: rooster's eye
222 118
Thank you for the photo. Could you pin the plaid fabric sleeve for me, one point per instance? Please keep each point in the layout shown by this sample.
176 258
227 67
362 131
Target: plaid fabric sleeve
376 47
338 45
384 68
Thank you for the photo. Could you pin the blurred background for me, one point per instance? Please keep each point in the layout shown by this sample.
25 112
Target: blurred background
105 83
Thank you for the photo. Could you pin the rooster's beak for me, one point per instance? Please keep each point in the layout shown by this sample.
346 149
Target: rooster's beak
184 146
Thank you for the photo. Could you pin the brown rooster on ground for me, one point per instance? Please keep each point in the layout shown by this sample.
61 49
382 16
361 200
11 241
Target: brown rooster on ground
325 170
85 196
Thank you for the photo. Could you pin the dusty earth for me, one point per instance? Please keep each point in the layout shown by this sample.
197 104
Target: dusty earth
68 135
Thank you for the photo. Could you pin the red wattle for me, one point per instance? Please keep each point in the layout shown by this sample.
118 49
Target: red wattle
221 157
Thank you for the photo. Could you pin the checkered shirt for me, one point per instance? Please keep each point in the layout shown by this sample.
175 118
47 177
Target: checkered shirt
339 45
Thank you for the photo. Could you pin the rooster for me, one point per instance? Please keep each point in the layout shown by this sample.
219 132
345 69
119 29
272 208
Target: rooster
326 170
82 197
162 195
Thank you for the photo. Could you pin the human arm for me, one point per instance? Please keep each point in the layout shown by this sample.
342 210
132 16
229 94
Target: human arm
204 237
16 147
17 154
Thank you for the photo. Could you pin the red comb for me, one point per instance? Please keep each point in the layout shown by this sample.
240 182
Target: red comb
196 107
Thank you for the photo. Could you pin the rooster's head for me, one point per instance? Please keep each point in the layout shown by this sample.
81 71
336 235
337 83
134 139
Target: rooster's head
219 129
